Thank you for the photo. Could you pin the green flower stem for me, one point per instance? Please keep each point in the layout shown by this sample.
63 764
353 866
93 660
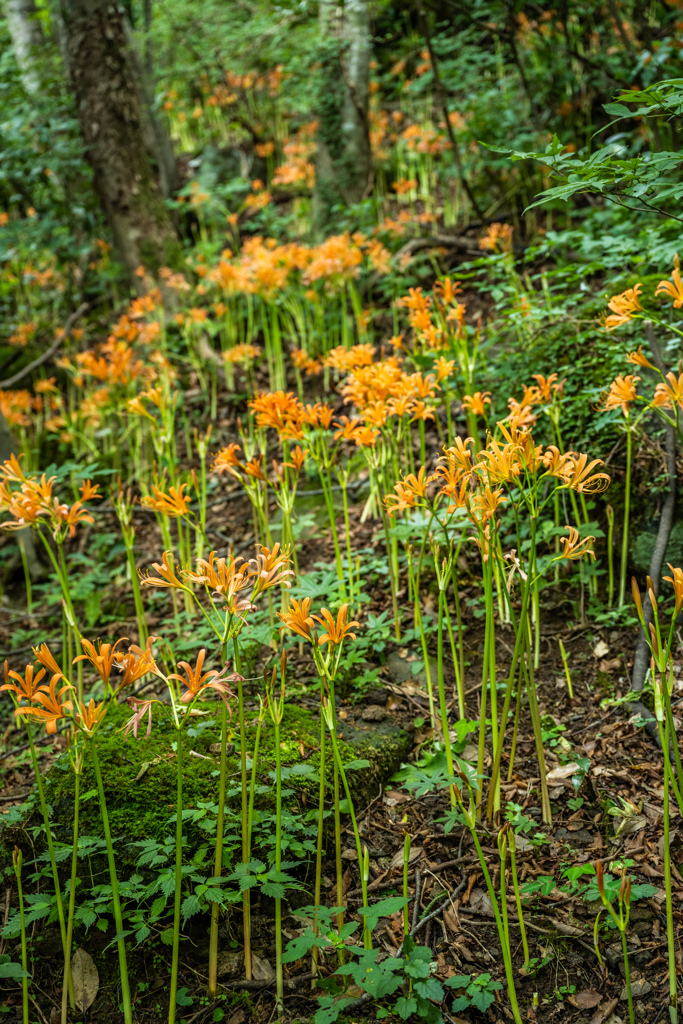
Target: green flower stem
406 863
118 918
252 780
51 851
627 507
246 896
459 683
610 556
175 956
627 976
72 889
17 861
670 934
218 857
518 898
367 938
27 574
509 977
319 843
442 694
279 982
423 639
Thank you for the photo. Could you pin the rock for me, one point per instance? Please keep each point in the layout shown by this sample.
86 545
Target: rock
400 670
580 838
374 713
230 962
261 969
638 988
215 748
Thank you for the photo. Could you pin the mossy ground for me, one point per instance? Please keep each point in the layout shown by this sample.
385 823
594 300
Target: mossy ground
140 774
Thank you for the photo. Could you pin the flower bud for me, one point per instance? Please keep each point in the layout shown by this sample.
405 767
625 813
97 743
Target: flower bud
17 860
599 878
636 598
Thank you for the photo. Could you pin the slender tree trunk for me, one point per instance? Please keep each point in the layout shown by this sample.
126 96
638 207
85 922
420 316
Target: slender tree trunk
344 159
110 116
27 37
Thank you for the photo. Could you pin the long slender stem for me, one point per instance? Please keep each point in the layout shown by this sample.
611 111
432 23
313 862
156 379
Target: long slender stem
627 507
319 842
118 917
178 877
72 891
279 983
51 852
218 858
246 897
22 923
670 934
518 899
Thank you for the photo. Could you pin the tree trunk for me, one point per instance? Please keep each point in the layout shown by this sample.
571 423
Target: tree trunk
27 37
344 159
110 116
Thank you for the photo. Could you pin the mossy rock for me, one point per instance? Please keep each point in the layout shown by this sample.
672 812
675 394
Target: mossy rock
140 776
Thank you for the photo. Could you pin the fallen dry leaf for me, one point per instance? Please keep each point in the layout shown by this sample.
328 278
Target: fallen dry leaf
397 859
480 902
603 1012
601 649
85 978
563 772
586 999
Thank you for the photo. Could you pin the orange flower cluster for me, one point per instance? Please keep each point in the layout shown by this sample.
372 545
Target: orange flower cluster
498 238
383 389
466 479
227 578
623 307
430 315
298 167
16 407
33 502
23 334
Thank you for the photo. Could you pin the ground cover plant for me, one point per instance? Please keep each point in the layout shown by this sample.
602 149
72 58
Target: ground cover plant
340 558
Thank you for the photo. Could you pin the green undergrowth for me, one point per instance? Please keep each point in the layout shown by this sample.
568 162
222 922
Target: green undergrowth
140 775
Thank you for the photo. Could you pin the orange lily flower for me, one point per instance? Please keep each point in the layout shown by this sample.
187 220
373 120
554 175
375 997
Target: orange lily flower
298 458
88 718
622 392
346 428
676 580
167 573
675 290
12 471
299 619
477 402
337 631
578 475
640 359
271 568
670 393
574 546
44 655
135 664
103 659
173 504
500 462
548 386
623 307
53 708
28 683
89 491
485 503
226 461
